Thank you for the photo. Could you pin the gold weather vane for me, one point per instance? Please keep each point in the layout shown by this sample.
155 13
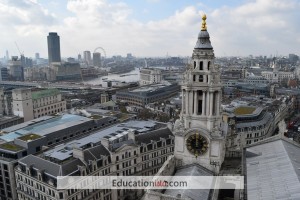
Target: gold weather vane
203 27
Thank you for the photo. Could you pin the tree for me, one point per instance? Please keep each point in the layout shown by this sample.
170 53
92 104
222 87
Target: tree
163 117
123 109
145 114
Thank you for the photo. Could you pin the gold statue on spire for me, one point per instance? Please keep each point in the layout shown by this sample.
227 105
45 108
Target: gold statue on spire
203 27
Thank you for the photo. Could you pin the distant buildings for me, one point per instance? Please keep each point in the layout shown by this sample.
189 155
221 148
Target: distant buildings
35 103
66 71
150 76
4 76
53 48
97 59
87 57
16 69
37 56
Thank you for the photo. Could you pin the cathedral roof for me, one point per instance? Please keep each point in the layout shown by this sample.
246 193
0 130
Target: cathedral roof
193 194
203 41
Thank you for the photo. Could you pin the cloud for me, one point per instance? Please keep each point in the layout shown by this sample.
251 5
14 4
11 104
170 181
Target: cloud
111 26
255 27
24 21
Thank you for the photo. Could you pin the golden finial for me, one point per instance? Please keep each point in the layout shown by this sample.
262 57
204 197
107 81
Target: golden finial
203 27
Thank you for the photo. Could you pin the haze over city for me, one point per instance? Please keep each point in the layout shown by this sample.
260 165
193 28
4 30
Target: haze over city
150 27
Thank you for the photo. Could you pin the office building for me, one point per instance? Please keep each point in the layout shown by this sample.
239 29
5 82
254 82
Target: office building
34 103
53 48
150 76
66 71
97 59
7 55
4 76
34 136
87 57
16 69
37 56
143 95
247 125
131 148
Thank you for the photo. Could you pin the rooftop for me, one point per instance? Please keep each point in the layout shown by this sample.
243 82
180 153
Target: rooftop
244 110
29 137
193 194
44 127
44 93
5 119
11 147
150 88
64 151
273 170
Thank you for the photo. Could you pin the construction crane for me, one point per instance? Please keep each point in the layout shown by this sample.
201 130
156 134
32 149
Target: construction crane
21 53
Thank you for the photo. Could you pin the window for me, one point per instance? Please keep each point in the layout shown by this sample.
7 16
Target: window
200 78
208 65
201 65
194 78
195 65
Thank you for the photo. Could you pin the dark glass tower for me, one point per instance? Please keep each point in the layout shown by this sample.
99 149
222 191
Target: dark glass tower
53 48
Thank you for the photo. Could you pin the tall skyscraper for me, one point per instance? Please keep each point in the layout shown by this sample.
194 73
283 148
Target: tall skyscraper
53 47
7 56
97 59
87 57
37 56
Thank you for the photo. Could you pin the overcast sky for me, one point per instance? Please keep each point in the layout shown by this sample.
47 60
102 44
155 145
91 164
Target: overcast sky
150 27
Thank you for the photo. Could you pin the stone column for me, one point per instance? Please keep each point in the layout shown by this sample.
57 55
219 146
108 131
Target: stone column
203 102
195 102
211 103
186 102
183 101
207 103
218 103
191 102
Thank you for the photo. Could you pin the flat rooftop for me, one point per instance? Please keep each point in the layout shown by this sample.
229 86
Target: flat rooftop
150 88
5 119
244 110
45 126
64 151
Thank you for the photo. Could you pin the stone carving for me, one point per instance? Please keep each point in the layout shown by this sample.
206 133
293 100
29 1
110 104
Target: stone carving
179 127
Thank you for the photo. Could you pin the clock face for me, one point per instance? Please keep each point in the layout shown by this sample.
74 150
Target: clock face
197 144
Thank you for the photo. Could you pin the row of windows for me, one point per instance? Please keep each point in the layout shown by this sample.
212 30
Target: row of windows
42 109
253 128
201 67
250 135
200 78
256 140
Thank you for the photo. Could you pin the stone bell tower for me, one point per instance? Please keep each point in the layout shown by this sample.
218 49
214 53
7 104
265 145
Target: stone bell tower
198 135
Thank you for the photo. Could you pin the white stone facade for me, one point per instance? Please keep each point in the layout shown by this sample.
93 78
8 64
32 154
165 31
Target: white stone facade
150 76
34 104
277 76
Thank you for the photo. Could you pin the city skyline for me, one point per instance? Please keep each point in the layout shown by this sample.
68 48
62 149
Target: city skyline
150 27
